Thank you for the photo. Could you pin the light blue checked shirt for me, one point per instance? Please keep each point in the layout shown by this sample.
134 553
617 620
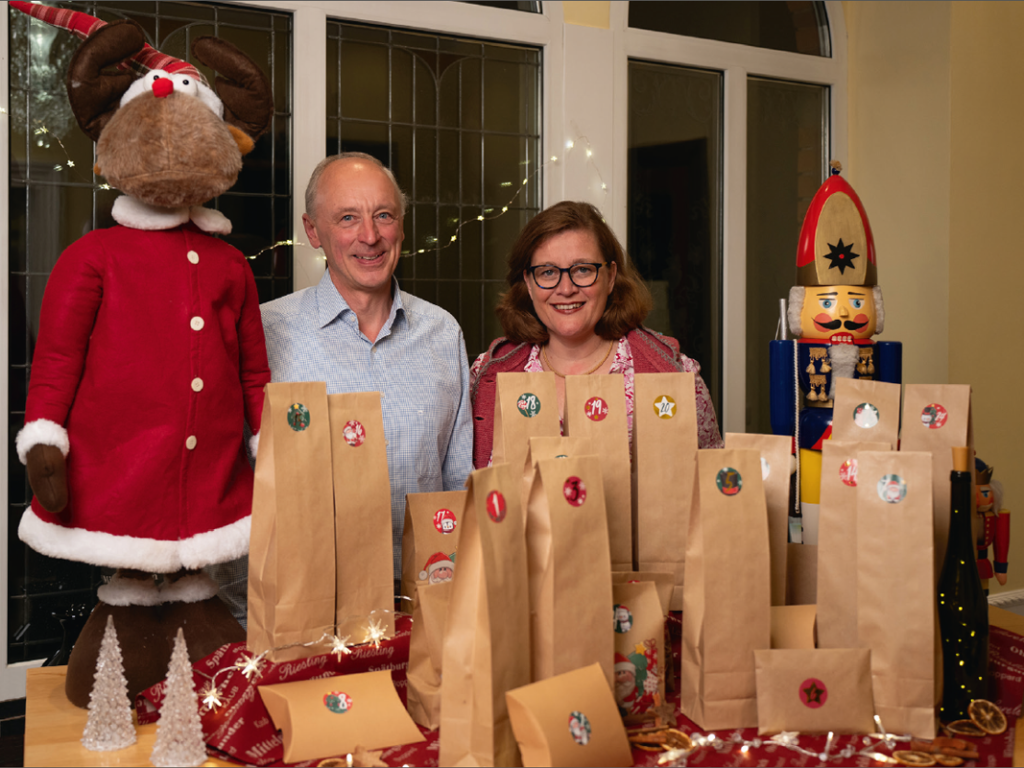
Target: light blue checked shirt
418 364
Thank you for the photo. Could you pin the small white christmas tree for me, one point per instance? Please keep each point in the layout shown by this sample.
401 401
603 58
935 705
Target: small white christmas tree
110 711
179 734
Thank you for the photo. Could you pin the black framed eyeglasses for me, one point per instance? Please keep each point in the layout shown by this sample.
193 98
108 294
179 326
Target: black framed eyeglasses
582 275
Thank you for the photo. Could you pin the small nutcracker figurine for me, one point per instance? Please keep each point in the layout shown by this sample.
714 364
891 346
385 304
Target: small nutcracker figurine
995 522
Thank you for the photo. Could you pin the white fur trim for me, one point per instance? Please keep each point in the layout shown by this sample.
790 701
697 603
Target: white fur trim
210 220
122 591
879 309
105 549
193 588
796 305
41 432
254 444
844 359
193 88
135 214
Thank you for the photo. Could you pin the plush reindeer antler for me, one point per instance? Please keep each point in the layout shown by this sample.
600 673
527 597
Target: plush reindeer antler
240 84
95 95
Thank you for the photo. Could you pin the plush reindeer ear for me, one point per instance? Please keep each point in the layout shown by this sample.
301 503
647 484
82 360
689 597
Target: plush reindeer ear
240 84
94 94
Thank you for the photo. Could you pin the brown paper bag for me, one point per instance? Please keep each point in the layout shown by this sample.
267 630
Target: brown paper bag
801 574
547 447
291 546
776 458
640 663
595 407
663 582
937 417
526 406
837 543
896 604
814 691
726 590
664 457
430 609
567 555
332 716
430 538
866 410
487 632
569 720
793 626
362 514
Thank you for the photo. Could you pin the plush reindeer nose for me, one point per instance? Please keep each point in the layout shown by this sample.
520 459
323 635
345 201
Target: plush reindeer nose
162 87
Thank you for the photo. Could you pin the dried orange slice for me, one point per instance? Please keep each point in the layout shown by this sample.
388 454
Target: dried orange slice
949 760
987 716
908 757
964 728
678 740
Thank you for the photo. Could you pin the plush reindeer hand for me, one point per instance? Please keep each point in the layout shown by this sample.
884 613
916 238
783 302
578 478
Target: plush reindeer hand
47 474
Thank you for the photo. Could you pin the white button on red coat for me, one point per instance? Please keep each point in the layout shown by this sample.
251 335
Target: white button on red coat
197 323
197 384
193 257
190 443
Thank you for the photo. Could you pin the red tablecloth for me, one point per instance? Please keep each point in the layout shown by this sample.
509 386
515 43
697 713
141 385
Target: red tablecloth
241 729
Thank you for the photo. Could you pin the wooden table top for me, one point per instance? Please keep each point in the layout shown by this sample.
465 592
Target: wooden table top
53 725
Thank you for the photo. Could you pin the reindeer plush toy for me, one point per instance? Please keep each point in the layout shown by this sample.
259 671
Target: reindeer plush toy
150 354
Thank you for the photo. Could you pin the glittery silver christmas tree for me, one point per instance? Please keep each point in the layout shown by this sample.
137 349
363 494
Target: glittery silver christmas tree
110 710
179 735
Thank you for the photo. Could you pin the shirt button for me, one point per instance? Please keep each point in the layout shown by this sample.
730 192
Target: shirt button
193 257
191 442
197 384
197 323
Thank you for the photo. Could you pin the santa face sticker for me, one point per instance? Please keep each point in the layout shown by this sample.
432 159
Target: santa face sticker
575 491
298 417
595 409
892 489
664 407
623 619
865 416
637 678
496 506
848 472
934 416
528 404
729 481
338 702
439 568
353 433
579 727
444 521
813 693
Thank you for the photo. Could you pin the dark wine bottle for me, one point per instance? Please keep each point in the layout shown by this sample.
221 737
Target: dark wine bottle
963 608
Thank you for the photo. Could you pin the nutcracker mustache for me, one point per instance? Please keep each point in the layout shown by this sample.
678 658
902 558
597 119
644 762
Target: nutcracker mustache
850 325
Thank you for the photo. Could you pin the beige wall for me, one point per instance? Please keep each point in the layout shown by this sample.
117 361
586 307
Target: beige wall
587 13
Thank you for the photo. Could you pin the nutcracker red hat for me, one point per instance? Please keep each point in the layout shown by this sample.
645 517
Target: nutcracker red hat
836 246
437 560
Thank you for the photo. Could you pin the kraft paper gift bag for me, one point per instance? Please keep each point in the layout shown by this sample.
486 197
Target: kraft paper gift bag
569 720
664 457
332 716
837 542
814 691
487 631
793 626
640 663
364 561
663 582
430 609
526 406
291 545
548 447
595 407
569 573
937 417
430 538
866 411
726 590
896 601
776 458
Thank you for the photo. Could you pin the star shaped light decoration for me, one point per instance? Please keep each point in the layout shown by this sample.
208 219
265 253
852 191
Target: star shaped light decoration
210 696
250 666
841 256
339 646
375 632
786 738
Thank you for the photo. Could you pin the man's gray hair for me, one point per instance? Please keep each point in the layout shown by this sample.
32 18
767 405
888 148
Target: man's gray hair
314 180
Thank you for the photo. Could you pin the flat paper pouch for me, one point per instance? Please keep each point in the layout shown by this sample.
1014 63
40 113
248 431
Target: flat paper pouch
570 719
814 691
334 715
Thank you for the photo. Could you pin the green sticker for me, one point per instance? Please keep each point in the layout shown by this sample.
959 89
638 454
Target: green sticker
528 404
729 481
298 417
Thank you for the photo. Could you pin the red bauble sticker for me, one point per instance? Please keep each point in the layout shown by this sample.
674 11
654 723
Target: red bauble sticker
575 491
813 693
596 409
934 416
353 433
444 521
496 506
848 473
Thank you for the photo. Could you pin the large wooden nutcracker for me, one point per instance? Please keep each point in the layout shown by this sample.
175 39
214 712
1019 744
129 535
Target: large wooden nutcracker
995 525
834 311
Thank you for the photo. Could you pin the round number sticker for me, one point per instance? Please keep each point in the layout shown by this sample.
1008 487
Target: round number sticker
496 506
865 415
596 409
665 407
575 491
444 520
298 417
848 472
623 619
528 404
934 416
338 702
579 727
729 481
892 489
766 468
353 433
813 693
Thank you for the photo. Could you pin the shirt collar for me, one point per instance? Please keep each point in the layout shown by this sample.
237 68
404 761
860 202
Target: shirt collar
332 305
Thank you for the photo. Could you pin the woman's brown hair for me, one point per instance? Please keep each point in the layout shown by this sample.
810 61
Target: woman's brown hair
629 302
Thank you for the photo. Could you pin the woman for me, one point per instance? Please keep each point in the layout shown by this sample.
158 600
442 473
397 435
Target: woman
575 307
